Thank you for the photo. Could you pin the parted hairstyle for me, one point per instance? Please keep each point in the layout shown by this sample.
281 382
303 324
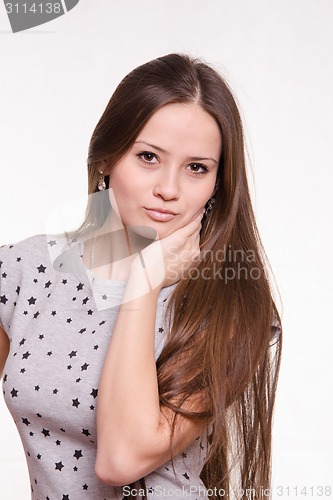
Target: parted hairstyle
224 344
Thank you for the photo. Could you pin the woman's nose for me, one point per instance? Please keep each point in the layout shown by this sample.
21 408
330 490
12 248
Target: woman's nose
167 185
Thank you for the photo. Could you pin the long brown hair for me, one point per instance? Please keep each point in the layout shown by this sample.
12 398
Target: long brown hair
223 313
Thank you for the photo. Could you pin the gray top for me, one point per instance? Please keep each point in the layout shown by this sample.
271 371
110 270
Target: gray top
59 320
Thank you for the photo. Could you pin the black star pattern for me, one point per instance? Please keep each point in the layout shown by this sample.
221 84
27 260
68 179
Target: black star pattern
102 323
38 415
35 280
32 301
69 320
104 297
74 299
84 367
78 380
39 456
53 313
52 243
46 432
85 300
69 367
55 391
41 337
25 312
90 312
94 393
18 289
161 330
76 402
78 454
3 299
82 330
26 355
85 486
186 475
22 341
4 275
96 347
65 497
58 443
86 432
79 287
18 259
59 466
47 284
64 282
31 433
75 469
25 421
41 268
36 314
37 387
22 370
49 353
72 354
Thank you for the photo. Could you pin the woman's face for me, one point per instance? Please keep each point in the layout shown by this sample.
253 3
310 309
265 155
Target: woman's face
170 172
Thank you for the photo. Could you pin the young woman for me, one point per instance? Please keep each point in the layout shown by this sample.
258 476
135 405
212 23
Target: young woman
142 356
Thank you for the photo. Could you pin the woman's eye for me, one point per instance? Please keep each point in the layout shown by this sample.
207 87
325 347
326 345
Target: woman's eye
148 157
198 168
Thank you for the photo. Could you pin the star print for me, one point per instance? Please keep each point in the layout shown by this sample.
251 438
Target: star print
62 430
48 284
50 353
84 367
78 380
94 331
85 486
75 469
46 432
52 243
58 443
37 387
69 367
18 259
78 454
31 301
85 300
4 275
161 330
92 407
35 280
22 370
31 433
79 287
25 421
150 490
41 268
18 289
104 297
90 312
102 323
186 476
53 313
22 341
96 347
65 497
39 456
76 402
38 415
36 314
82 330
41 337
26 355
64 282
69 320
94 393
25 313
55 391
59 466
3 299
72 354
86 432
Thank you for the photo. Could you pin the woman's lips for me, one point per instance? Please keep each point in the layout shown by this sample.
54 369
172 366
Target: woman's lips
159 214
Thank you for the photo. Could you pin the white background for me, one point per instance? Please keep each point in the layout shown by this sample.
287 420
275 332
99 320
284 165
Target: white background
56 80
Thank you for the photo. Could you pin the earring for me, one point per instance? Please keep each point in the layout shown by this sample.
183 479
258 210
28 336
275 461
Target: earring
209 206
101 183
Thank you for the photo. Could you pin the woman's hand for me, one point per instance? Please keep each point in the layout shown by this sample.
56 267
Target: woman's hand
165 261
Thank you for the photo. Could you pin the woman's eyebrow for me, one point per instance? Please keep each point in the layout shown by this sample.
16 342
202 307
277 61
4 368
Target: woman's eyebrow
193 158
